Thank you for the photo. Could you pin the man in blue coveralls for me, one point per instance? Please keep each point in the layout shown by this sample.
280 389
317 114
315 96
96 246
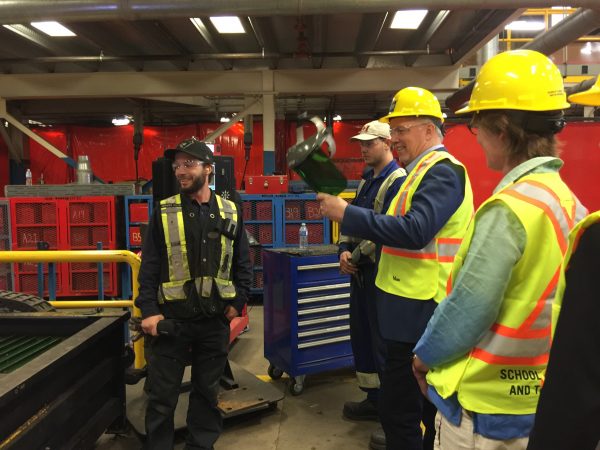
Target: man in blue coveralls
379 185
419 234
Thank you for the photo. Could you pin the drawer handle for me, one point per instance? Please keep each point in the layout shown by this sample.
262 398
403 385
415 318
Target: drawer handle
319 266
302 334
304 312
322 288
324 342
304 323
304 301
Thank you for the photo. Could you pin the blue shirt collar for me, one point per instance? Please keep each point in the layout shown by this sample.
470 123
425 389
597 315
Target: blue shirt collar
389 168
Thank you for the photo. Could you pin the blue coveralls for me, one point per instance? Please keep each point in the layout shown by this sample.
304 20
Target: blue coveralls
367 344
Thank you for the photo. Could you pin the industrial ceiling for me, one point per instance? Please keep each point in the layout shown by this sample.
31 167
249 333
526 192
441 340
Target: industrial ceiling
321 56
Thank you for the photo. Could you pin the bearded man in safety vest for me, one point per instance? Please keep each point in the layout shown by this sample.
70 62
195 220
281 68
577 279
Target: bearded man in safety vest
417 238
572 377
486 346
194 278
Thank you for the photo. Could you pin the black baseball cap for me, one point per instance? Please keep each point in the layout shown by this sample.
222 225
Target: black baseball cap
192 147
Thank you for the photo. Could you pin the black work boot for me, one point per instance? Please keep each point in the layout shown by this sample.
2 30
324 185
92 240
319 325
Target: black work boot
365 410
377 440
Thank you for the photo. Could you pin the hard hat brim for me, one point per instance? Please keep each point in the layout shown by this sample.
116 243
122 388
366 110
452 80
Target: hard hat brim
591 97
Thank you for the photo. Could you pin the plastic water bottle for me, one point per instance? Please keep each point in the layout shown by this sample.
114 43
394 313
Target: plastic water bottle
28 177
303 236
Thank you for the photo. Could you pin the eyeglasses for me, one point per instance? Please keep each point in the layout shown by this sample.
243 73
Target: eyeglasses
403 129
474 129
187 164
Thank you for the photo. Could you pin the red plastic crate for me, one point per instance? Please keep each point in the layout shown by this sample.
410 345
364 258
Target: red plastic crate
292 210
80 212
138 212
312 210
135 236
265 234
264 210
247 211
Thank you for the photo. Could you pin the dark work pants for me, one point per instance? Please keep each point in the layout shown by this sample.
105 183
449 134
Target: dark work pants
402 407
367 344
204 343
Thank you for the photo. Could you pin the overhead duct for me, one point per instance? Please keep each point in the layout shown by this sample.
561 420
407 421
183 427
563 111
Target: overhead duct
69 10
566 31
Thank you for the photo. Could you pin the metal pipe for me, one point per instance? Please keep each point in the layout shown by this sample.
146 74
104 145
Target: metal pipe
69 10
206 56
567 30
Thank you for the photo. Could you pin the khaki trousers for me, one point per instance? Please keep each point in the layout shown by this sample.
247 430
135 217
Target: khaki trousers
450 437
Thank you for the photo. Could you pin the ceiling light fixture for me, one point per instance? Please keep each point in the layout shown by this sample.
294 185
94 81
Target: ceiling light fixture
227 24
408 20
337 118
121 121
53 29
224 119
525 25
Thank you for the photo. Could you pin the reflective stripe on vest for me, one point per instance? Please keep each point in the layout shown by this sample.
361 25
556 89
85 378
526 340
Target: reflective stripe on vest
529 344
501 375
179 270
379 199
423 274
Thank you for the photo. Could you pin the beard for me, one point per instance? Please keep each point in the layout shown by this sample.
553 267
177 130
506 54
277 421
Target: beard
198 183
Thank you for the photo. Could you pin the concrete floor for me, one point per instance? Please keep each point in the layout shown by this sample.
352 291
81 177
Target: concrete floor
310 421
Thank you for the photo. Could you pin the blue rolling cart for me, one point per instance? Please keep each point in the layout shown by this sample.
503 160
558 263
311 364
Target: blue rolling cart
306 313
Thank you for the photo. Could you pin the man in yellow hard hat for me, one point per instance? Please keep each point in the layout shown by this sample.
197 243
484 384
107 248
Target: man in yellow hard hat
568 412
417 238
486 346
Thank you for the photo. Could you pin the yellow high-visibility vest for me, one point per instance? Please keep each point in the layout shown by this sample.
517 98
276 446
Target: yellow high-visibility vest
423 274
179 269
501 375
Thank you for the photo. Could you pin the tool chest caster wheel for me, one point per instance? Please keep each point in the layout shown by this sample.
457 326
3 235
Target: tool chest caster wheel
274 372
296 388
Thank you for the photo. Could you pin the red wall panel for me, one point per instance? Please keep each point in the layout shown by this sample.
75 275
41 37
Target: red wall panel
110 151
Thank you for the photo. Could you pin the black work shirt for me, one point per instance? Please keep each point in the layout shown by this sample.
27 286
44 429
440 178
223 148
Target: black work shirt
203 247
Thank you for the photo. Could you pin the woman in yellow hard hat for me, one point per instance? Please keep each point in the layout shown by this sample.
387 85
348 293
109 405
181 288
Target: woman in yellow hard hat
568 413
486 347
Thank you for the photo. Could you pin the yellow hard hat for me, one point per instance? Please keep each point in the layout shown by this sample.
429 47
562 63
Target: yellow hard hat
414 101
591 97
524 80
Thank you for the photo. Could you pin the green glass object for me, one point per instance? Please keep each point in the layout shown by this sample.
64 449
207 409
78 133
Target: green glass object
314 166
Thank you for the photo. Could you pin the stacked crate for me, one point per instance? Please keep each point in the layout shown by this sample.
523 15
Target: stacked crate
65 223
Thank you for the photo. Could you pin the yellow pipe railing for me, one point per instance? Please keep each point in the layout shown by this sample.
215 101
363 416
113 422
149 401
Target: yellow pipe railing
120 256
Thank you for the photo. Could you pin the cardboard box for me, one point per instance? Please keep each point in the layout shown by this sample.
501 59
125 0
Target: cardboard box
266 184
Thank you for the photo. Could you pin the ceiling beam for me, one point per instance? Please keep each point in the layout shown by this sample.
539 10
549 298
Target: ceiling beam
159 84
265 37
371 26
214 41
422 37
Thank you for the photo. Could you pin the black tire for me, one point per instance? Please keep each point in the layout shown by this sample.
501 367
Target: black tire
274 372
11 301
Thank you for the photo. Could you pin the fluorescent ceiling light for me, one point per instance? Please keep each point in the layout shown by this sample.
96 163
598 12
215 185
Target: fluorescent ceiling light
227 24
224 119
54 29
337 117
120 121
408 20
525 25
556 18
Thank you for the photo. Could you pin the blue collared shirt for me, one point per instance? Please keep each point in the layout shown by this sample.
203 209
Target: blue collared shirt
471 308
